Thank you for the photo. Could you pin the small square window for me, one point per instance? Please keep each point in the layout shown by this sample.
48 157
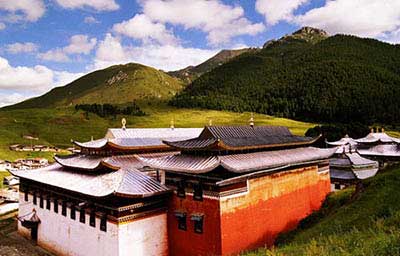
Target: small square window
82 217
197 192
181 217
103 223
198 223
55 205
92 220
181 189
73 212
337 186
64 208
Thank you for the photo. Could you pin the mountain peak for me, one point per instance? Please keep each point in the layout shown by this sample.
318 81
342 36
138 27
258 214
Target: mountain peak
310 31
308 34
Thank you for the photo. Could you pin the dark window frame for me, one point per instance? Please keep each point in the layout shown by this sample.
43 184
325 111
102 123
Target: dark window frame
34 198
103 223
82 215
337 186
64 208
182 223
198 223
55 206
92 218
48 203
73 212
180 188
41 201
26 198
198 191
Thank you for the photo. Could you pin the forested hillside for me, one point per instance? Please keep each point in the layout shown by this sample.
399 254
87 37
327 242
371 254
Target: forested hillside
337 79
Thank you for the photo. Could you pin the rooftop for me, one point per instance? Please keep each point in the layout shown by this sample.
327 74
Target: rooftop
223 138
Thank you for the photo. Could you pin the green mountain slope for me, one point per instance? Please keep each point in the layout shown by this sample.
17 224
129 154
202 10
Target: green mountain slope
190 73
116 85
339 78
368 225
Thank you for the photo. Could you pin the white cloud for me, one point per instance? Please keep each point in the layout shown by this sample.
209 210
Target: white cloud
278 10
25 10
56 55
27 47
9 98
80 44
141 27
366 18
19 83
212 17
91 20
2 26
167 57
99 5
392 37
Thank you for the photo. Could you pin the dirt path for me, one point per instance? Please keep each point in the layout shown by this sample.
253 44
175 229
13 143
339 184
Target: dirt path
11 244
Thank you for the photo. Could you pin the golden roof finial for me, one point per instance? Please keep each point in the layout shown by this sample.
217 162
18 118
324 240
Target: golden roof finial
210 122
383 130
123 122
172 126
252 120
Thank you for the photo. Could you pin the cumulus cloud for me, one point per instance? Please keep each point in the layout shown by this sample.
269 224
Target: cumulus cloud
99 5
56 55
19 83
367 18
2 26
141 27
212 17
16 48
167 57
23 10
278 10
91 20
78 44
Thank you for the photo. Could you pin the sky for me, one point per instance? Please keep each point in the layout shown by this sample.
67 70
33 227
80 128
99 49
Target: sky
49 43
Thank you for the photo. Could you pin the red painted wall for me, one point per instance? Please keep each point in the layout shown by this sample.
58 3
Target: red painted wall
186 243
259 224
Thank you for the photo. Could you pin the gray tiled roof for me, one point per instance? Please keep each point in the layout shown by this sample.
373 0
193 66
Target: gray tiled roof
124 182
238 163
241 138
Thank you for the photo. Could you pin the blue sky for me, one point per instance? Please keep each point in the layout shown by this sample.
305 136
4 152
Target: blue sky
48 43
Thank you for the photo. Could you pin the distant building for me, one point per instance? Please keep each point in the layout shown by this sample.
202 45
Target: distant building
212 191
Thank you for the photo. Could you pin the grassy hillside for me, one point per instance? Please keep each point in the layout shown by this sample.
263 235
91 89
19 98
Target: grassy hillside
337 79
368 225
58 126
190 73
116 85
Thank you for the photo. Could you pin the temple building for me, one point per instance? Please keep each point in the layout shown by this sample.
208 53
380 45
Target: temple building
377 145
348 168
213 191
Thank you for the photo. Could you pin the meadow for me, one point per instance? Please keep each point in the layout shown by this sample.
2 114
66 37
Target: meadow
58 126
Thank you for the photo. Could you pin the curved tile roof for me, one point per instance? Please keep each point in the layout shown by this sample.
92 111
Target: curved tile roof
219 138
124 182
238 163
374 137
352 166
346 140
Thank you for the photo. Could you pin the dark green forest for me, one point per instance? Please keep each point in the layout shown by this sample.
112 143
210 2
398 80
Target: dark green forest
106 110
340 79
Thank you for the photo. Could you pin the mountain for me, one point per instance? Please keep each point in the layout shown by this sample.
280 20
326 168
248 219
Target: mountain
306 76
115 85
190 73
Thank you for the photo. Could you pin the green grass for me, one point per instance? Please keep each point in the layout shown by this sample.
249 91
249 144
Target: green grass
2 175
369 225
58 126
